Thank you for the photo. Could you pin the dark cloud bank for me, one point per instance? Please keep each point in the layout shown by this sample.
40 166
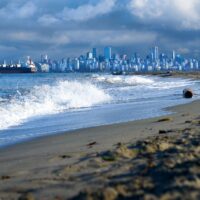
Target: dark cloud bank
69 28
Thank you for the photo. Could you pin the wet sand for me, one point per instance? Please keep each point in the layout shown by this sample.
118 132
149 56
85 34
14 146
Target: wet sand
157 158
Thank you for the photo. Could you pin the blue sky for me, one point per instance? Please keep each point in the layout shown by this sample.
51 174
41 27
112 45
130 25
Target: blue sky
71 27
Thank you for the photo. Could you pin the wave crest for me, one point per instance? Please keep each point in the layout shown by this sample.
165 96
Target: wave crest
47 99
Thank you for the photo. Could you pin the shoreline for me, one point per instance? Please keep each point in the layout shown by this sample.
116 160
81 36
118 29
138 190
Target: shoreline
191 74
32 165
28 138
171 109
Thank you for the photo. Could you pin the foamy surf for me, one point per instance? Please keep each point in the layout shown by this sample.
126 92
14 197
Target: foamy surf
170 84
129 80
47 99
42 104
143 81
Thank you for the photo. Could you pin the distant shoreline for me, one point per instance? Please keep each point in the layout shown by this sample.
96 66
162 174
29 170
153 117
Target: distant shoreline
192 74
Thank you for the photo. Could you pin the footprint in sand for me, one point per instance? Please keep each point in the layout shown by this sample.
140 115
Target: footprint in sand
91 144
5 177
167 119
60 158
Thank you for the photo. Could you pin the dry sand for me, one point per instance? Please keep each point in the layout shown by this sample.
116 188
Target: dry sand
157 158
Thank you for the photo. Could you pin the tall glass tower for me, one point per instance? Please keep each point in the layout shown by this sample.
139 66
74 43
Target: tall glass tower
107 53
94 52
173 55
156 54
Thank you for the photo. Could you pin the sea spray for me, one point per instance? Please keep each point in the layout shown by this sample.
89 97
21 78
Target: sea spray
50 99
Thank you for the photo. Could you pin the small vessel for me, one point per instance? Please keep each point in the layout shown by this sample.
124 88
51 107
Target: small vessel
28 67
117 73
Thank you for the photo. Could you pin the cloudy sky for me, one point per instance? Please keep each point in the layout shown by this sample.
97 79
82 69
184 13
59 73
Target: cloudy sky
71 27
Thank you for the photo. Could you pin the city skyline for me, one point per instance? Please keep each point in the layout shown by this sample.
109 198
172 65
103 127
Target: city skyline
69 28
95 61
92 61
108 53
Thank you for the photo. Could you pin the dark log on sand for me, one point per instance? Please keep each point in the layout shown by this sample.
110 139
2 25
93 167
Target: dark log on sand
187 93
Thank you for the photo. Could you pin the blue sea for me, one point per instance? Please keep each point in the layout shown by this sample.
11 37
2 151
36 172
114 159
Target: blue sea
33 105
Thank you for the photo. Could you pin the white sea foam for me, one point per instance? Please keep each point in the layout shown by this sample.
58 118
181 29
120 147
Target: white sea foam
64 95
129 80
137 80
160 85
144 81
46 99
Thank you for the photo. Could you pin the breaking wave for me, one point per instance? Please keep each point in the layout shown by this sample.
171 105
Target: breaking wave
48 99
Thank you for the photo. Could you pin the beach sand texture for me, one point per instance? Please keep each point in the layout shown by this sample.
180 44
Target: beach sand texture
150 159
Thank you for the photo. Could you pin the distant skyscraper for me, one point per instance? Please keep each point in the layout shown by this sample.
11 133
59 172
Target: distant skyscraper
156 53
107 53
94 52
116 56
89 55
124 57
173 55
44 58
76 64
152 56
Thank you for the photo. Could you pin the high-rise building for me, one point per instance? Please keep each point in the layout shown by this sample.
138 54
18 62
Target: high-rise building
44 58
116 56
89 55
156 53
94 52
76 64
107 53
173 55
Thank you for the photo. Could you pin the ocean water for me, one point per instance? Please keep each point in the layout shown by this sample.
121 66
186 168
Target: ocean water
33 105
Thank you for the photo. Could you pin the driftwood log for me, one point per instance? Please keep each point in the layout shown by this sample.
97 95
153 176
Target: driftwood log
188 93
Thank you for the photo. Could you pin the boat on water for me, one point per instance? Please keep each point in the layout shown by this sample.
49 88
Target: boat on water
27 67
117 73
10 70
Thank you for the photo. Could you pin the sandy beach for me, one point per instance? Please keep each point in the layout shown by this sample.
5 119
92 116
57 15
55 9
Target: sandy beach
148 159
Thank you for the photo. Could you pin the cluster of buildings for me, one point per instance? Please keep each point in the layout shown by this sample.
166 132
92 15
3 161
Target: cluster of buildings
94 62
109 62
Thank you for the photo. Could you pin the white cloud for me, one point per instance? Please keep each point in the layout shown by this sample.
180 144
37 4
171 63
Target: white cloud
109 37
7 48
95 38
183 14
81 13
87 11
146 8
15 10
47 20
57 38
27 10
